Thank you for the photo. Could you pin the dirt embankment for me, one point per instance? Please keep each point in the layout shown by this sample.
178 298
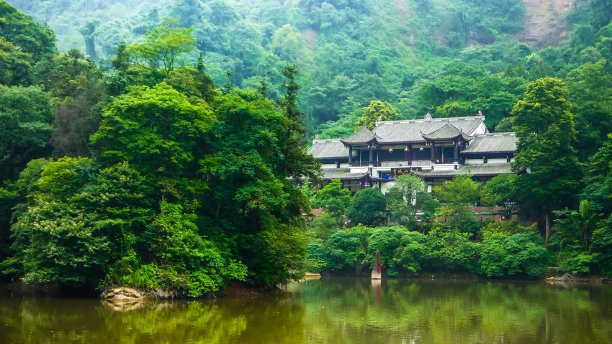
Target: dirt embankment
545 22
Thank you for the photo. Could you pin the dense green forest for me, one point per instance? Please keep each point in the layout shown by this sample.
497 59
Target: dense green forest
448 57
160 157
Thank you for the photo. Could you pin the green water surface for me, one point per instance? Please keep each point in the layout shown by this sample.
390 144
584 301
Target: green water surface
335 310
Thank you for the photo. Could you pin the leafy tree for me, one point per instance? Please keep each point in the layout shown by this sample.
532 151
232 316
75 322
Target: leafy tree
23 32
194 83
334 199
161 134
163 45
598 179
295 162
402 198
347 249
590 91
458 196
447 249
376 111
368 207
13 200
544 126
257 209
184 260
504 254
602 247
501 191
400 249
15 65
25 127
53 241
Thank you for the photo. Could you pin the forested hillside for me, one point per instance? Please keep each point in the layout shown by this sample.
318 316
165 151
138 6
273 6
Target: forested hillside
418 55
164 155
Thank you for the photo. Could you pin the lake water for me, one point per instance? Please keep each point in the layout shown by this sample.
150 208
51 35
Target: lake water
335 310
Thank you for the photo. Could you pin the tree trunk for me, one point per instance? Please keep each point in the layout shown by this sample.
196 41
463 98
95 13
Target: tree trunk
547 228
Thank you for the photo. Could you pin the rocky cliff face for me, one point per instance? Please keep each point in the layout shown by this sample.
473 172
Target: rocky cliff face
545 22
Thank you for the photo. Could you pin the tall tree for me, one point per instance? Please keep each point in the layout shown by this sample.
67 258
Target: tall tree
368 207
161 134
458 196
376 111
295 162
334 199
26 123
545 155
402 197
163 45
21 30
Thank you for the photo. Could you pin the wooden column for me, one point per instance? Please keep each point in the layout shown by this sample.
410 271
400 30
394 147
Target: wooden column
433 152
350 155
370 148
456 157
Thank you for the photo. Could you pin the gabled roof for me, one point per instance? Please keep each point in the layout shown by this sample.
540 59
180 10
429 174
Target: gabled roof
363 136
492 143
328 149
446 132
344 174
485 170
412 130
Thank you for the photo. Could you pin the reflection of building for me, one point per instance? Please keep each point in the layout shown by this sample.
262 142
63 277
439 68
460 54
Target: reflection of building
435 149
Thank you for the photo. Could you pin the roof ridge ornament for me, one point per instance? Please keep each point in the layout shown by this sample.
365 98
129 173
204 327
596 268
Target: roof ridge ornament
428 116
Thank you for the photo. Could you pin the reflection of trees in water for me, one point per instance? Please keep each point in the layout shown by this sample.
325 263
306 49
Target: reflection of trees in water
41 320
330 310
456 311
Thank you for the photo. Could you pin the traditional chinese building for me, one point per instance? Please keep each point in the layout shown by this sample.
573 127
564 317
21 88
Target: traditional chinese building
436 149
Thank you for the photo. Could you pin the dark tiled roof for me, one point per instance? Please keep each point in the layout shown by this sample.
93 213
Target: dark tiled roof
362 136
447 131
475 170
492 143
328 149
411 130
344 174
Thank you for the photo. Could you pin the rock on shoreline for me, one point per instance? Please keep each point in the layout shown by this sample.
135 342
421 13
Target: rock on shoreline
568 279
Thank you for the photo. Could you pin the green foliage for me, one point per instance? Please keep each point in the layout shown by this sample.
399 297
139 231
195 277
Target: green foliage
545 129
590 87
403 198
400 249
346 248
15 65
26 123
53 240
23 32
506 254
75 84
376 111
368 207
598 179
334 199
458 196
163 44
448 249
179 251
260 211
577 263
602 247
160 133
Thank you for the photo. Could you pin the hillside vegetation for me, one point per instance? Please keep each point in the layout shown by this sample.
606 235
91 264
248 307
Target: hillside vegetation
410 53
168 161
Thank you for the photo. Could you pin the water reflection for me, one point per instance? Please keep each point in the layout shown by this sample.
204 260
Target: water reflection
330 311
343 311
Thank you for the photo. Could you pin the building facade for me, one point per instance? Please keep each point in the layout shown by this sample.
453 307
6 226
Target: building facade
437 149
